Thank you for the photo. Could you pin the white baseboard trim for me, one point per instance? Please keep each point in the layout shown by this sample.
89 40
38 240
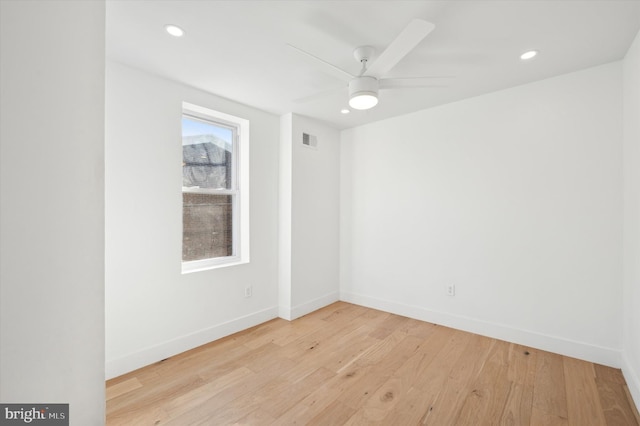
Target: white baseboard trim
308 307
632 378
119 366
592 353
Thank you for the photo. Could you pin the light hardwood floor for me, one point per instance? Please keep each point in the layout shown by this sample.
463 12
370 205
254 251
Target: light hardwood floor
350 365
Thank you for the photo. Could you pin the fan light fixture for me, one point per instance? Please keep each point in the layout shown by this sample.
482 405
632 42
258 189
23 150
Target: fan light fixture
363 92
363 101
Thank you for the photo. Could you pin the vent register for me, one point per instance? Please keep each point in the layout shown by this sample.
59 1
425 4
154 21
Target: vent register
309 141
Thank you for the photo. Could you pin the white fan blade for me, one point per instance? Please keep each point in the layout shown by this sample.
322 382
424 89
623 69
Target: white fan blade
326 66
402 83
398 49
320 95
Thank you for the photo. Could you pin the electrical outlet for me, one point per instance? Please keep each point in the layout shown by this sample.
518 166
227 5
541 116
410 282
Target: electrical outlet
451 290
248 290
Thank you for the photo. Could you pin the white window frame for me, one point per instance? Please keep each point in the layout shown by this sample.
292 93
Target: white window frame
240 189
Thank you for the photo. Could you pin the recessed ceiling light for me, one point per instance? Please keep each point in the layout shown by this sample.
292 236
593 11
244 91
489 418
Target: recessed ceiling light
345 111
528 55
174 30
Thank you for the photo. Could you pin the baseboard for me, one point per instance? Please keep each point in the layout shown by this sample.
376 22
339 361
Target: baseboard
632 378
592 353
308 307
119 366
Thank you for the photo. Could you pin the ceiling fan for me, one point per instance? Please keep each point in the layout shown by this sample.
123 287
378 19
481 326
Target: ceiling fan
363 88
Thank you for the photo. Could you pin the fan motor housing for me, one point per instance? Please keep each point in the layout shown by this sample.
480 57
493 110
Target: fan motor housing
365 85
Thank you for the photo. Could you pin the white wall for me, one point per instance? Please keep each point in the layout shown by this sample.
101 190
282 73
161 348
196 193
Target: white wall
152 310
285 195
52 209
309 200
631 290
515 197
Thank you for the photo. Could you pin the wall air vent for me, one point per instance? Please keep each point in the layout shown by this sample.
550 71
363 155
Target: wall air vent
309 141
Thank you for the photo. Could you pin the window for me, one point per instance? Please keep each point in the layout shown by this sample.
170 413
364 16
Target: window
215 190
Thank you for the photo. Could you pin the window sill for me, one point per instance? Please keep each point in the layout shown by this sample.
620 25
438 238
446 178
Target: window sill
209 264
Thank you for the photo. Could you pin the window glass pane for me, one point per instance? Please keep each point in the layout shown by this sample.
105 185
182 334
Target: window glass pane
207 226
207 151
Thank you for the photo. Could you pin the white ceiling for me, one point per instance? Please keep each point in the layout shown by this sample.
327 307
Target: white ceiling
238 49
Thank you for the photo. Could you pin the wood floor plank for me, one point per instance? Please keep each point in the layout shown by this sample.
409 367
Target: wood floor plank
418 328
634 409
336 413
154 416
609 374
517 409
521 373
522 364
149 398
318 402
287 396
349 365
540 417
613 397
389 325
123 387
453 392
231 401
487 396
269 333
433 366
376 352
549 405
583 400
353 385
381 402
193 399
381 371
257 417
